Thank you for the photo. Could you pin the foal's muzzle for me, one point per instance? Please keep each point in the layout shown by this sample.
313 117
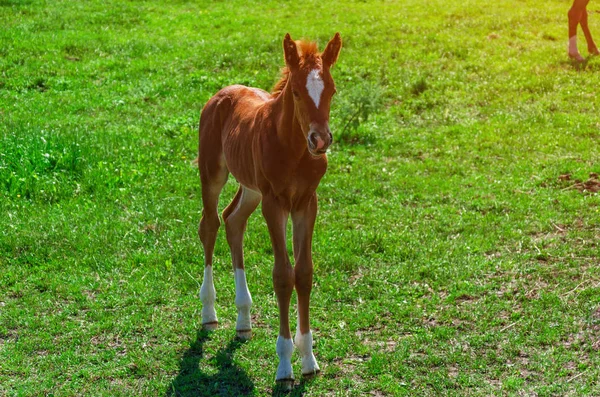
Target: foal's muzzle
319 139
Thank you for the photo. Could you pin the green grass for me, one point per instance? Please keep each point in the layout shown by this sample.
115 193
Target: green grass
451 257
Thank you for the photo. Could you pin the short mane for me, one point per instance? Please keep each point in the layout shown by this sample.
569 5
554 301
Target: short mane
308 52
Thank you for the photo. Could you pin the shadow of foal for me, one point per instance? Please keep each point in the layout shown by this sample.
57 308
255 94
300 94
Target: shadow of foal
230 379
297 391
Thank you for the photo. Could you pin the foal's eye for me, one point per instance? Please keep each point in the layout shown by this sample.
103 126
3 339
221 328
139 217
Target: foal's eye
295 93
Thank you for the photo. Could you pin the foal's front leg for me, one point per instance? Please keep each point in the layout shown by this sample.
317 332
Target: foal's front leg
283 283
303 219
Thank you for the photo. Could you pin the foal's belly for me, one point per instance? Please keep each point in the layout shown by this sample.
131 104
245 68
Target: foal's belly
239 132
239 160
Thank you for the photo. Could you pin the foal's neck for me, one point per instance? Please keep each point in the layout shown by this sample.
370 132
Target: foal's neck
288 127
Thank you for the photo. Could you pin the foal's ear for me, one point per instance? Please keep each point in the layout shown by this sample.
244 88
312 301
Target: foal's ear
290 50
332 50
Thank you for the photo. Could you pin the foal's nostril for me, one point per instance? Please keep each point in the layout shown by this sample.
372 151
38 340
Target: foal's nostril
313 140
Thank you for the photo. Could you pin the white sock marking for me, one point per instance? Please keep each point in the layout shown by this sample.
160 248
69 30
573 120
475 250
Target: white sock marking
315 85
304 345
243 301
284 349
573 45
208 295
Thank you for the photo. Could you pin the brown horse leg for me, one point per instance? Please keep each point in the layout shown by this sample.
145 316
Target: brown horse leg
213 177
236 217
303 220
592 49
283 282
575 15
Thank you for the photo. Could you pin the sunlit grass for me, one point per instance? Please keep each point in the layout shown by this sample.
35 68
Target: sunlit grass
455 250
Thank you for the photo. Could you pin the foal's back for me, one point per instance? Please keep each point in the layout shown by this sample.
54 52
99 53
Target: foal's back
233 103
228 125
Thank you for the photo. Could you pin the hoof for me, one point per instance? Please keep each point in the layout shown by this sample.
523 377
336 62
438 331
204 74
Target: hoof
285 384
210 326
244 334
311 374
577 57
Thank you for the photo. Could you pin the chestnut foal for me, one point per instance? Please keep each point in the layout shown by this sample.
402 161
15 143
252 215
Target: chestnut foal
274 145
578 15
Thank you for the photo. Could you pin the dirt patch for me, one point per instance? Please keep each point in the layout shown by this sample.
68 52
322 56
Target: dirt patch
550 238
388 346
491 255
522 358
111 341
91 295
587 338
10 336
353 280
349 367
592 185
527 374
42 353
464 298
430 322
453 371
571 366
149 228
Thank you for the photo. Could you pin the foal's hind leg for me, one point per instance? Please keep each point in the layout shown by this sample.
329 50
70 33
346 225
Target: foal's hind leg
236 217
213 177
592 48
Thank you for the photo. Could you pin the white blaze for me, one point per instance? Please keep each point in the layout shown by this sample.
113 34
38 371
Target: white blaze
315 85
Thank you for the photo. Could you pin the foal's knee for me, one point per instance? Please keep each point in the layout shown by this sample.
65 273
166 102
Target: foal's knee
283 279
575 13
303 277
208 226
233 229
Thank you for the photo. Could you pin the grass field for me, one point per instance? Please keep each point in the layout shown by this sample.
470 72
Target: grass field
457 245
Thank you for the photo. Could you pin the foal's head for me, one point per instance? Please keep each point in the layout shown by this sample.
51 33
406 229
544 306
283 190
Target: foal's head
312 88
